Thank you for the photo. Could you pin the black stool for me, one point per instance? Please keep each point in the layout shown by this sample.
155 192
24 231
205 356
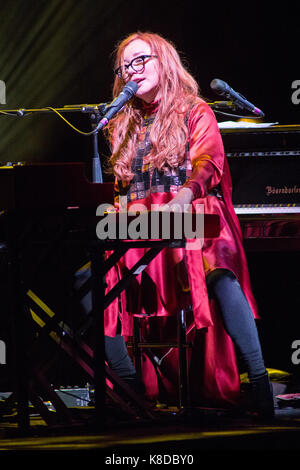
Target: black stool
181 343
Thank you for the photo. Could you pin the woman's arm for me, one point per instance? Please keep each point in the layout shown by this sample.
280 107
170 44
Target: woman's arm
206 154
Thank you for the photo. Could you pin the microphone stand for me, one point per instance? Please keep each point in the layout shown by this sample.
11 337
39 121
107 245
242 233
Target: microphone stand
96 165
222 107
95 113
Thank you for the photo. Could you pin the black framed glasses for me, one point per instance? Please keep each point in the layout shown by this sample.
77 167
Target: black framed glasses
137 64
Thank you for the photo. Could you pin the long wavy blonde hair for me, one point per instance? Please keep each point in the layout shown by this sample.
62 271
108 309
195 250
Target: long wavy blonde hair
168 133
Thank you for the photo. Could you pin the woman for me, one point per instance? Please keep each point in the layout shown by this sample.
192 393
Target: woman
166 150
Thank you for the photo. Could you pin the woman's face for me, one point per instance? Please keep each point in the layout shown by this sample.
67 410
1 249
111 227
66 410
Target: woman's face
148 78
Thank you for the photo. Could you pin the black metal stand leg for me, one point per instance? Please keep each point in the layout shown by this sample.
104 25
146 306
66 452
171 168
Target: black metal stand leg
136 349
98 292
20 330
183 381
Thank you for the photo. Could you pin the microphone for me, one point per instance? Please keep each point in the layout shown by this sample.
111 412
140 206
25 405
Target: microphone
128 91
223 89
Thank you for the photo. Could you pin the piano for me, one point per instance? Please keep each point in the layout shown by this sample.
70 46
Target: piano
62 185
265 168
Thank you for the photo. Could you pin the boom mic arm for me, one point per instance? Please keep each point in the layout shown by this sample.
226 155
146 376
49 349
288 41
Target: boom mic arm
223 89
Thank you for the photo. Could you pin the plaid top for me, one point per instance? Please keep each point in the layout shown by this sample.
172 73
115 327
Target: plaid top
147 179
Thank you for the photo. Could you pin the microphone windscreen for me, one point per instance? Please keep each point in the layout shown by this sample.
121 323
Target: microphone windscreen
130 88
218 85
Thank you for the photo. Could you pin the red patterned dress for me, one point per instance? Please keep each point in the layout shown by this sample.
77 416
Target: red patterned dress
176 278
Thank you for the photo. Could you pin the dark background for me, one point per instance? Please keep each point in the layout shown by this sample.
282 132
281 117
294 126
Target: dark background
58 52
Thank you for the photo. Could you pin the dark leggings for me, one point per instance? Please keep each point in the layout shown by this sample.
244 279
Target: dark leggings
238 322
237 318
117 356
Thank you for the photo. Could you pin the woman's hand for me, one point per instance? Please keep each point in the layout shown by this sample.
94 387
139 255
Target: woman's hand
183 197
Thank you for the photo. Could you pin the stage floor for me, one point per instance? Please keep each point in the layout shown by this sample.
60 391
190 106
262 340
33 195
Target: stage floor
172 435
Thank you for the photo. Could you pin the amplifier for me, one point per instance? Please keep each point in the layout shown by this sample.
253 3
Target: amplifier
73 397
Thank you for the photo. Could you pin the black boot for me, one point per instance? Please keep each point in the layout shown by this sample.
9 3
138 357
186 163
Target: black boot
262 397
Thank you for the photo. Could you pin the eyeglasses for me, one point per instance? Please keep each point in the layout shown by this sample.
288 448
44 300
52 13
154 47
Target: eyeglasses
137 64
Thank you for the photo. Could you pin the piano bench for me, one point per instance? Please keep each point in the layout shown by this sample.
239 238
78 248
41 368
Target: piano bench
140 345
